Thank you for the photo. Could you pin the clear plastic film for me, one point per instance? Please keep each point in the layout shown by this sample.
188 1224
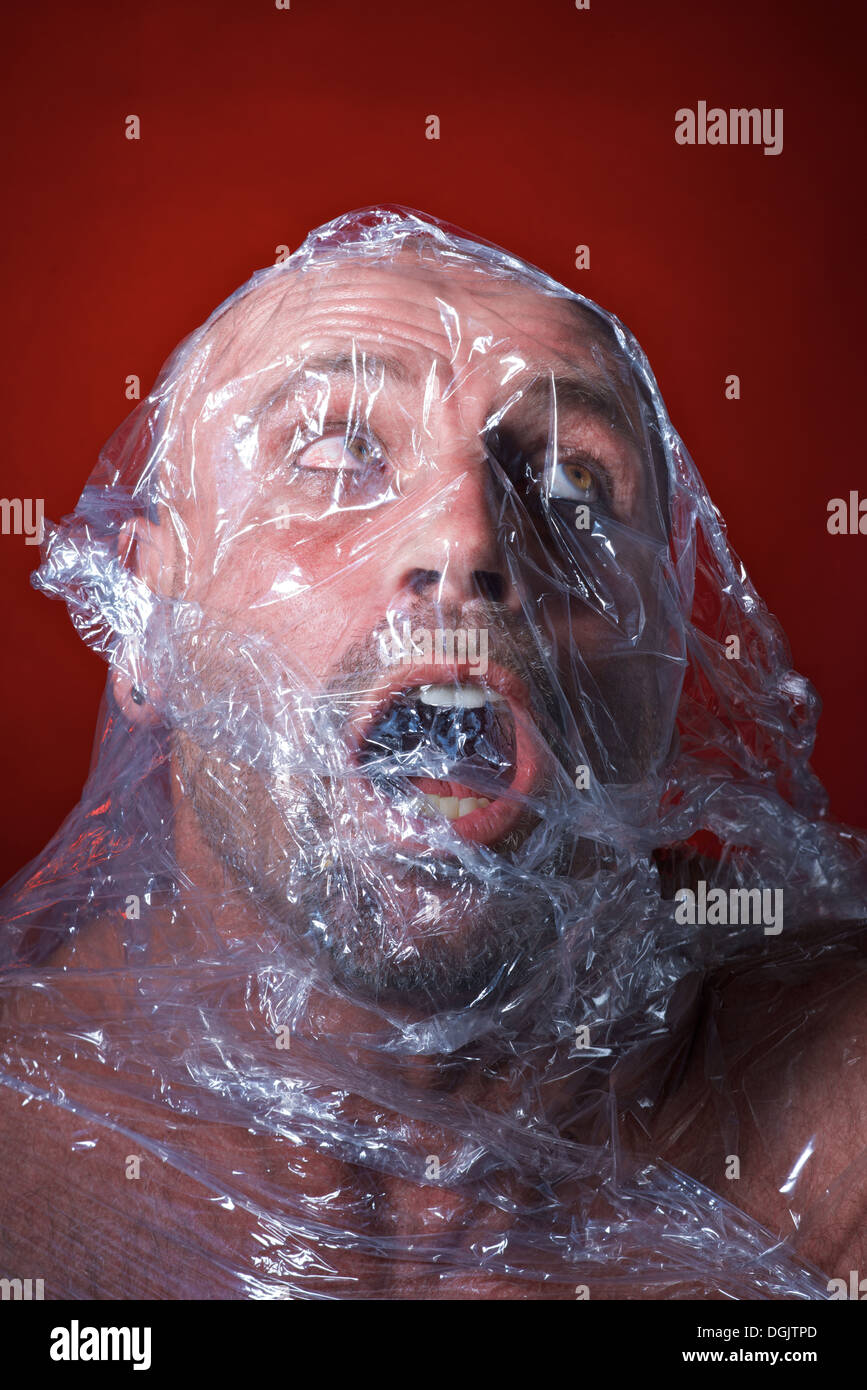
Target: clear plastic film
451 909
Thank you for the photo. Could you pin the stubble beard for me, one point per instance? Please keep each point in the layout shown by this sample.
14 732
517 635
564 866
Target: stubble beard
431 932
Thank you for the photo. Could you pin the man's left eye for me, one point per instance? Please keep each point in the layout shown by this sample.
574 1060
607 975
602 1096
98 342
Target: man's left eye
573 480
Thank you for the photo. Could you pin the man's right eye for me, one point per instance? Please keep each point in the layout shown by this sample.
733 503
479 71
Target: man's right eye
336 453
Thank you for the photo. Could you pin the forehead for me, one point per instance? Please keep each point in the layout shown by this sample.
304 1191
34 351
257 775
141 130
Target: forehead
454 316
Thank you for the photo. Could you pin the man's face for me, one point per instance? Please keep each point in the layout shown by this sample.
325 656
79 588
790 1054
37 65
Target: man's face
415 510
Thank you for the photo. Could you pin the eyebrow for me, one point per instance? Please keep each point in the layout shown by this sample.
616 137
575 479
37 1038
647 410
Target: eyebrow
350 366
583 395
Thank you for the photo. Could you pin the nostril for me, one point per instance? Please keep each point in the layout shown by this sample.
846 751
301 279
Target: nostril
489 585
419 581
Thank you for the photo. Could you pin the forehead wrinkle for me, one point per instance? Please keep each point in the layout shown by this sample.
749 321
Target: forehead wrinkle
238 330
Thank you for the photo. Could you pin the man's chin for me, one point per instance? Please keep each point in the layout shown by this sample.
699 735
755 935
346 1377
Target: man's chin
427 935
435 926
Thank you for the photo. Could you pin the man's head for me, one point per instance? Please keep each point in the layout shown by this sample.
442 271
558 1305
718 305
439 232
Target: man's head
405 569
410 527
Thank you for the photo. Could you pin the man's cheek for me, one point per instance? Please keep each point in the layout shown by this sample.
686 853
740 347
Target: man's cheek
310 619
306 543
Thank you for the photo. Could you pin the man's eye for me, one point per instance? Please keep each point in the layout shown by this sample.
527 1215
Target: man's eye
338 454
574 480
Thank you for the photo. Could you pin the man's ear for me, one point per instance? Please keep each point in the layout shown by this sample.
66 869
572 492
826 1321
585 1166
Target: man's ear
145 548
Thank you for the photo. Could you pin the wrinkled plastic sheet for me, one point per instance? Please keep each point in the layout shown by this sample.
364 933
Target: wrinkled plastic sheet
448 763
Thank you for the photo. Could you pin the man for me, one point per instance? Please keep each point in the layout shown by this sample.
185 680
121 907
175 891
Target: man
450 911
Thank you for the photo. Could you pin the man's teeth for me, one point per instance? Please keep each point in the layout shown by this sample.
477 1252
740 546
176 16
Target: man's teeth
459 696
452 807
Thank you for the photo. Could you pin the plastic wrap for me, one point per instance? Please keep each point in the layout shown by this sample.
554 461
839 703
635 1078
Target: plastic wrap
451 909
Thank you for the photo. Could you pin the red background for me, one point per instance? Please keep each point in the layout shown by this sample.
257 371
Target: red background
557 127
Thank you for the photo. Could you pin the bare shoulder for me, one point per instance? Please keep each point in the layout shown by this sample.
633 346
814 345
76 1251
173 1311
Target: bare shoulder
88 1202
772 1109
114 1186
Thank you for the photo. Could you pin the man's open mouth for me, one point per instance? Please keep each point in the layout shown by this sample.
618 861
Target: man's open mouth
466 745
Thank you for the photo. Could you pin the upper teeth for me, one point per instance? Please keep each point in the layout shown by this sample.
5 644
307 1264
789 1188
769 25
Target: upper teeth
453 807
459 696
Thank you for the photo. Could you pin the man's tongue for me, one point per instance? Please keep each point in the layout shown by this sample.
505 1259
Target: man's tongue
417 739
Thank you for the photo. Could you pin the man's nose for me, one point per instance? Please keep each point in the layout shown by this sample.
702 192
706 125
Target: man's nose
455 553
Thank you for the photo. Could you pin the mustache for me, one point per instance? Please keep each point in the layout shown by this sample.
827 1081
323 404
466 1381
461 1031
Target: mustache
512 643
276 719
